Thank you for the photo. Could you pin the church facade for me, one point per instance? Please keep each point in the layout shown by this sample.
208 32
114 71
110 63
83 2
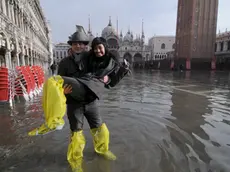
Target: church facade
126 46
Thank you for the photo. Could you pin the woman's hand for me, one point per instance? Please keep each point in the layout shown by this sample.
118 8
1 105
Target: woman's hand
106 79
67 89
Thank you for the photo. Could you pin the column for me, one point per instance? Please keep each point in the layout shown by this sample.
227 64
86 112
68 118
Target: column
17 59
20 19
16 14
11 13
31 60
13 18
3 6
218 46
8 59
225 46
22 22
28 60
35 60
8 9
23 59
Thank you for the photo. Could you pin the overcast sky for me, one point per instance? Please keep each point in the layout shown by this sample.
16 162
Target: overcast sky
159 16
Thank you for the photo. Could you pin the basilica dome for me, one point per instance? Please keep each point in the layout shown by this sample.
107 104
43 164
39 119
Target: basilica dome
128 37
137 41
108 30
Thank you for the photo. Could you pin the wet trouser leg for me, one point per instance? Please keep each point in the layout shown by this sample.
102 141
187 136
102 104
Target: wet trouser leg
75 116
92 114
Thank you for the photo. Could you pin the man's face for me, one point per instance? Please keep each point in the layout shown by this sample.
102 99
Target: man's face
78 47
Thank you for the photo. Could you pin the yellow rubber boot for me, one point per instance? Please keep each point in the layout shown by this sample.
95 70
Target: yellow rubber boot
75 151
101 141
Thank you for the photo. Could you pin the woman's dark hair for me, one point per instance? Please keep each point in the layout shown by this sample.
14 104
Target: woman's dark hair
99 40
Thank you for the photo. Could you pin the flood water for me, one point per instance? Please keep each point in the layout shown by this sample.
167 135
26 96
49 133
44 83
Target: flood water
158 122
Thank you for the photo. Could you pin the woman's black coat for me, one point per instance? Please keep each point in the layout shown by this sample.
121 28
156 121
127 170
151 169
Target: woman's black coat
96 70
85 75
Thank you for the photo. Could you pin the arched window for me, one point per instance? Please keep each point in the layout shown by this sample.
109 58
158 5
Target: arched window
163 46
221 46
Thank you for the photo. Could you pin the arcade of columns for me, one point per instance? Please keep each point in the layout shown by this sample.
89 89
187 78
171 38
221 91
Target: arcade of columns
24 34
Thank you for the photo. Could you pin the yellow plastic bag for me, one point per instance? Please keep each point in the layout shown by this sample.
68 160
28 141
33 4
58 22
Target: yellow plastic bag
101 142
54 106
75 151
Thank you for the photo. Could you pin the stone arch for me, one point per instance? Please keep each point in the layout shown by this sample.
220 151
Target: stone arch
228 48
26 55
29 52
13 51
5 36
137 57
35 57
20 56
39 60
29 56
147 57
115 53
3 47
113 43
221 46
128 57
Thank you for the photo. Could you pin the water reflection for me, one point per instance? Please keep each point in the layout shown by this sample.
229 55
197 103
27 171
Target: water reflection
169 122
188 109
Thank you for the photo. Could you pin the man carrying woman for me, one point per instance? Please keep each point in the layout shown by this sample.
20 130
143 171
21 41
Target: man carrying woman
82 77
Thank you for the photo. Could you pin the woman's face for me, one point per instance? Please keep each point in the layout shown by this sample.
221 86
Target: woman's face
99 50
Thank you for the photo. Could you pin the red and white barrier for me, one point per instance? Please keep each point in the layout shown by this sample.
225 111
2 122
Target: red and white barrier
26 81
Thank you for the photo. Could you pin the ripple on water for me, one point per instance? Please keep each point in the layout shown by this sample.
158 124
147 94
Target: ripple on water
152 127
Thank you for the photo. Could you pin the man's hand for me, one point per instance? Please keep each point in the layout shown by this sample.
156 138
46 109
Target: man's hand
67 89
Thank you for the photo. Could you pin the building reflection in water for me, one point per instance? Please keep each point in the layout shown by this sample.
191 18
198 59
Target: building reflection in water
7 133
14 124
217 125
202 119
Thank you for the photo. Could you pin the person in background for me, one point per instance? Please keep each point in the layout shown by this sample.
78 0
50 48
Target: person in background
53 68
